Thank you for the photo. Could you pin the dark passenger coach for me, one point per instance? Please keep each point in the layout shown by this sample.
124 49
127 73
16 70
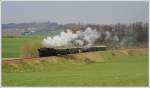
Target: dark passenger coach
43 52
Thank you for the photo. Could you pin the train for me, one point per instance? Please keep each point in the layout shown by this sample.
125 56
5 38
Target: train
44 52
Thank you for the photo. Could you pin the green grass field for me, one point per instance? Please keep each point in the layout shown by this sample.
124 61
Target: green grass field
119 69
11 47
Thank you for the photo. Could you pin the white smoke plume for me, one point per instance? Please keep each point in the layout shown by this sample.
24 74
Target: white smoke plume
116 38
123 41
108 35
80 38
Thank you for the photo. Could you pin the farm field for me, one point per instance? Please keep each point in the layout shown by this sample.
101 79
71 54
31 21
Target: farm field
11 47
117 68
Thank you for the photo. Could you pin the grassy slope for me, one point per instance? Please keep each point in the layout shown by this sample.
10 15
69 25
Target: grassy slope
117 70
11 46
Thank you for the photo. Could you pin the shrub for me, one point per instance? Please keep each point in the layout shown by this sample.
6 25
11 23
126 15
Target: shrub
30 49
131 52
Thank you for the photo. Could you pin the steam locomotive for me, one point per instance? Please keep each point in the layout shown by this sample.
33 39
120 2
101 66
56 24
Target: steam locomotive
43 52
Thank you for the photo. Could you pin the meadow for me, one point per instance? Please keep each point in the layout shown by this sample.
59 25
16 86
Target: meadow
118 68
109 68
11 47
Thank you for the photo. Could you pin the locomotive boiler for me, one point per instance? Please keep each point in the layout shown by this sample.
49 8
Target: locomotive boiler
43 52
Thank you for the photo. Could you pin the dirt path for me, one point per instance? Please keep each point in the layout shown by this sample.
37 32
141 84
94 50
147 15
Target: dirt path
12 60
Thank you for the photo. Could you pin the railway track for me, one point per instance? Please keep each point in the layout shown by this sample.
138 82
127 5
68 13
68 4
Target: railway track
10 60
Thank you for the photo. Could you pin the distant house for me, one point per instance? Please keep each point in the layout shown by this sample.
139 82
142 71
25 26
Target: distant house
28 33
25 33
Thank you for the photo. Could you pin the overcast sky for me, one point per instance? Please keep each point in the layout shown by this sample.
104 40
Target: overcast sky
99 12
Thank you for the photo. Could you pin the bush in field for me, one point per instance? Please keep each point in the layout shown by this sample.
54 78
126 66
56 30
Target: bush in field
30 49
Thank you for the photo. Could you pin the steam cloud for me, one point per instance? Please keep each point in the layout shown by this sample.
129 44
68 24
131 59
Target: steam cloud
84 38
108 35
